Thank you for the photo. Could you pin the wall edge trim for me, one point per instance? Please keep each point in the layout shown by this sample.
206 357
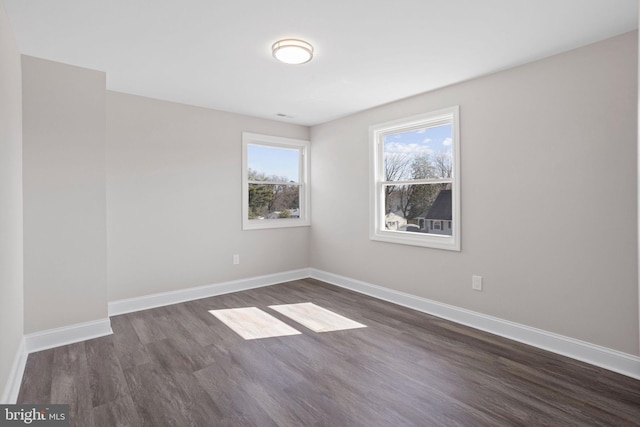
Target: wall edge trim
12 387
613 360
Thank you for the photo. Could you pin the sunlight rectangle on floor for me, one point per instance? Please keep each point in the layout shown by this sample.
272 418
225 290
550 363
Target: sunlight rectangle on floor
252 323
316 318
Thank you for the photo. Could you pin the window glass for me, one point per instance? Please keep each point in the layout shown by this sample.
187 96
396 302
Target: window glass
275 182
415 180
273 163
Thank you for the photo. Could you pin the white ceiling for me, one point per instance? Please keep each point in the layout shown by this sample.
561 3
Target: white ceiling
216 54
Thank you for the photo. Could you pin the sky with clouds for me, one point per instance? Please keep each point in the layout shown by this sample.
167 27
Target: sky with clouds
431 140
283 162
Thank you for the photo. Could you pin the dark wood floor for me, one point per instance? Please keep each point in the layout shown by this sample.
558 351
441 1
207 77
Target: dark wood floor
180 366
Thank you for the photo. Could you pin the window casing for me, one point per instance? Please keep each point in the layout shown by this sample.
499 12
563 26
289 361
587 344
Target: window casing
415 180
275 182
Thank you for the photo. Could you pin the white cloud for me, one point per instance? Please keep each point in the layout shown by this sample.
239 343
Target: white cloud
447 142
404 148
426 140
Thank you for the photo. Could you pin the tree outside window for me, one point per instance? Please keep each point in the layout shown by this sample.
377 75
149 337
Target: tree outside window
415 183
275 182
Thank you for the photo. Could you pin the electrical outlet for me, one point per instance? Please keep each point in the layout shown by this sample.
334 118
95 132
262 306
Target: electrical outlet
236 259
476 283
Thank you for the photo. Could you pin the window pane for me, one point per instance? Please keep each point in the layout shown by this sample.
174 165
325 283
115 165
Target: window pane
418 154
268 163
271 201
420 208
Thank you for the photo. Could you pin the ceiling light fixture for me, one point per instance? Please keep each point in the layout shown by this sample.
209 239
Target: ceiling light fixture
292 51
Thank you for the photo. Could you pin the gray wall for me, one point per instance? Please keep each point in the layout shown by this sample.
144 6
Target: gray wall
162 212
548 158
64 195
173 199
11 302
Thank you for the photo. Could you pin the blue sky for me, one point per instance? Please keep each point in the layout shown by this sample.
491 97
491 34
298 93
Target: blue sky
431 140
284 161
281 162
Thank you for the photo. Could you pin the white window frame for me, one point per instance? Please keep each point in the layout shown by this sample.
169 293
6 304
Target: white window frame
377 180
304 148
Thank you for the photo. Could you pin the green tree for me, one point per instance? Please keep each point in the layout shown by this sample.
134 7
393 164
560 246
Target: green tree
260 195
267 198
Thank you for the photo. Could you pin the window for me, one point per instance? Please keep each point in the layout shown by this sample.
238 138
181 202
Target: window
415 180
275 182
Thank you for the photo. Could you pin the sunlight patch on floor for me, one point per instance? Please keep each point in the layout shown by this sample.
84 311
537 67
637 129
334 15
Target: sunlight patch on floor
316 318
252 323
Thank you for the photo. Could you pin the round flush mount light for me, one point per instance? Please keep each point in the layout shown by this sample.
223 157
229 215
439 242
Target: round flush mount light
292 51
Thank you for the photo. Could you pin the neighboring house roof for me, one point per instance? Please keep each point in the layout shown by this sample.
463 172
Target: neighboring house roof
441 208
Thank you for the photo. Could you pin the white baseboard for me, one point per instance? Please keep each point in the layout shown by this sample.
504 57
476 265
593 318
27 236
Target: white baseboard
613 360
67 335
12 387
603 357
174 297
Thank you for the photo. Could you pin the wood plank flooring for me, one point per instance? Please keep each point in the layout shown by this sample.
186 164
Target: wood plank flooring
180 366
